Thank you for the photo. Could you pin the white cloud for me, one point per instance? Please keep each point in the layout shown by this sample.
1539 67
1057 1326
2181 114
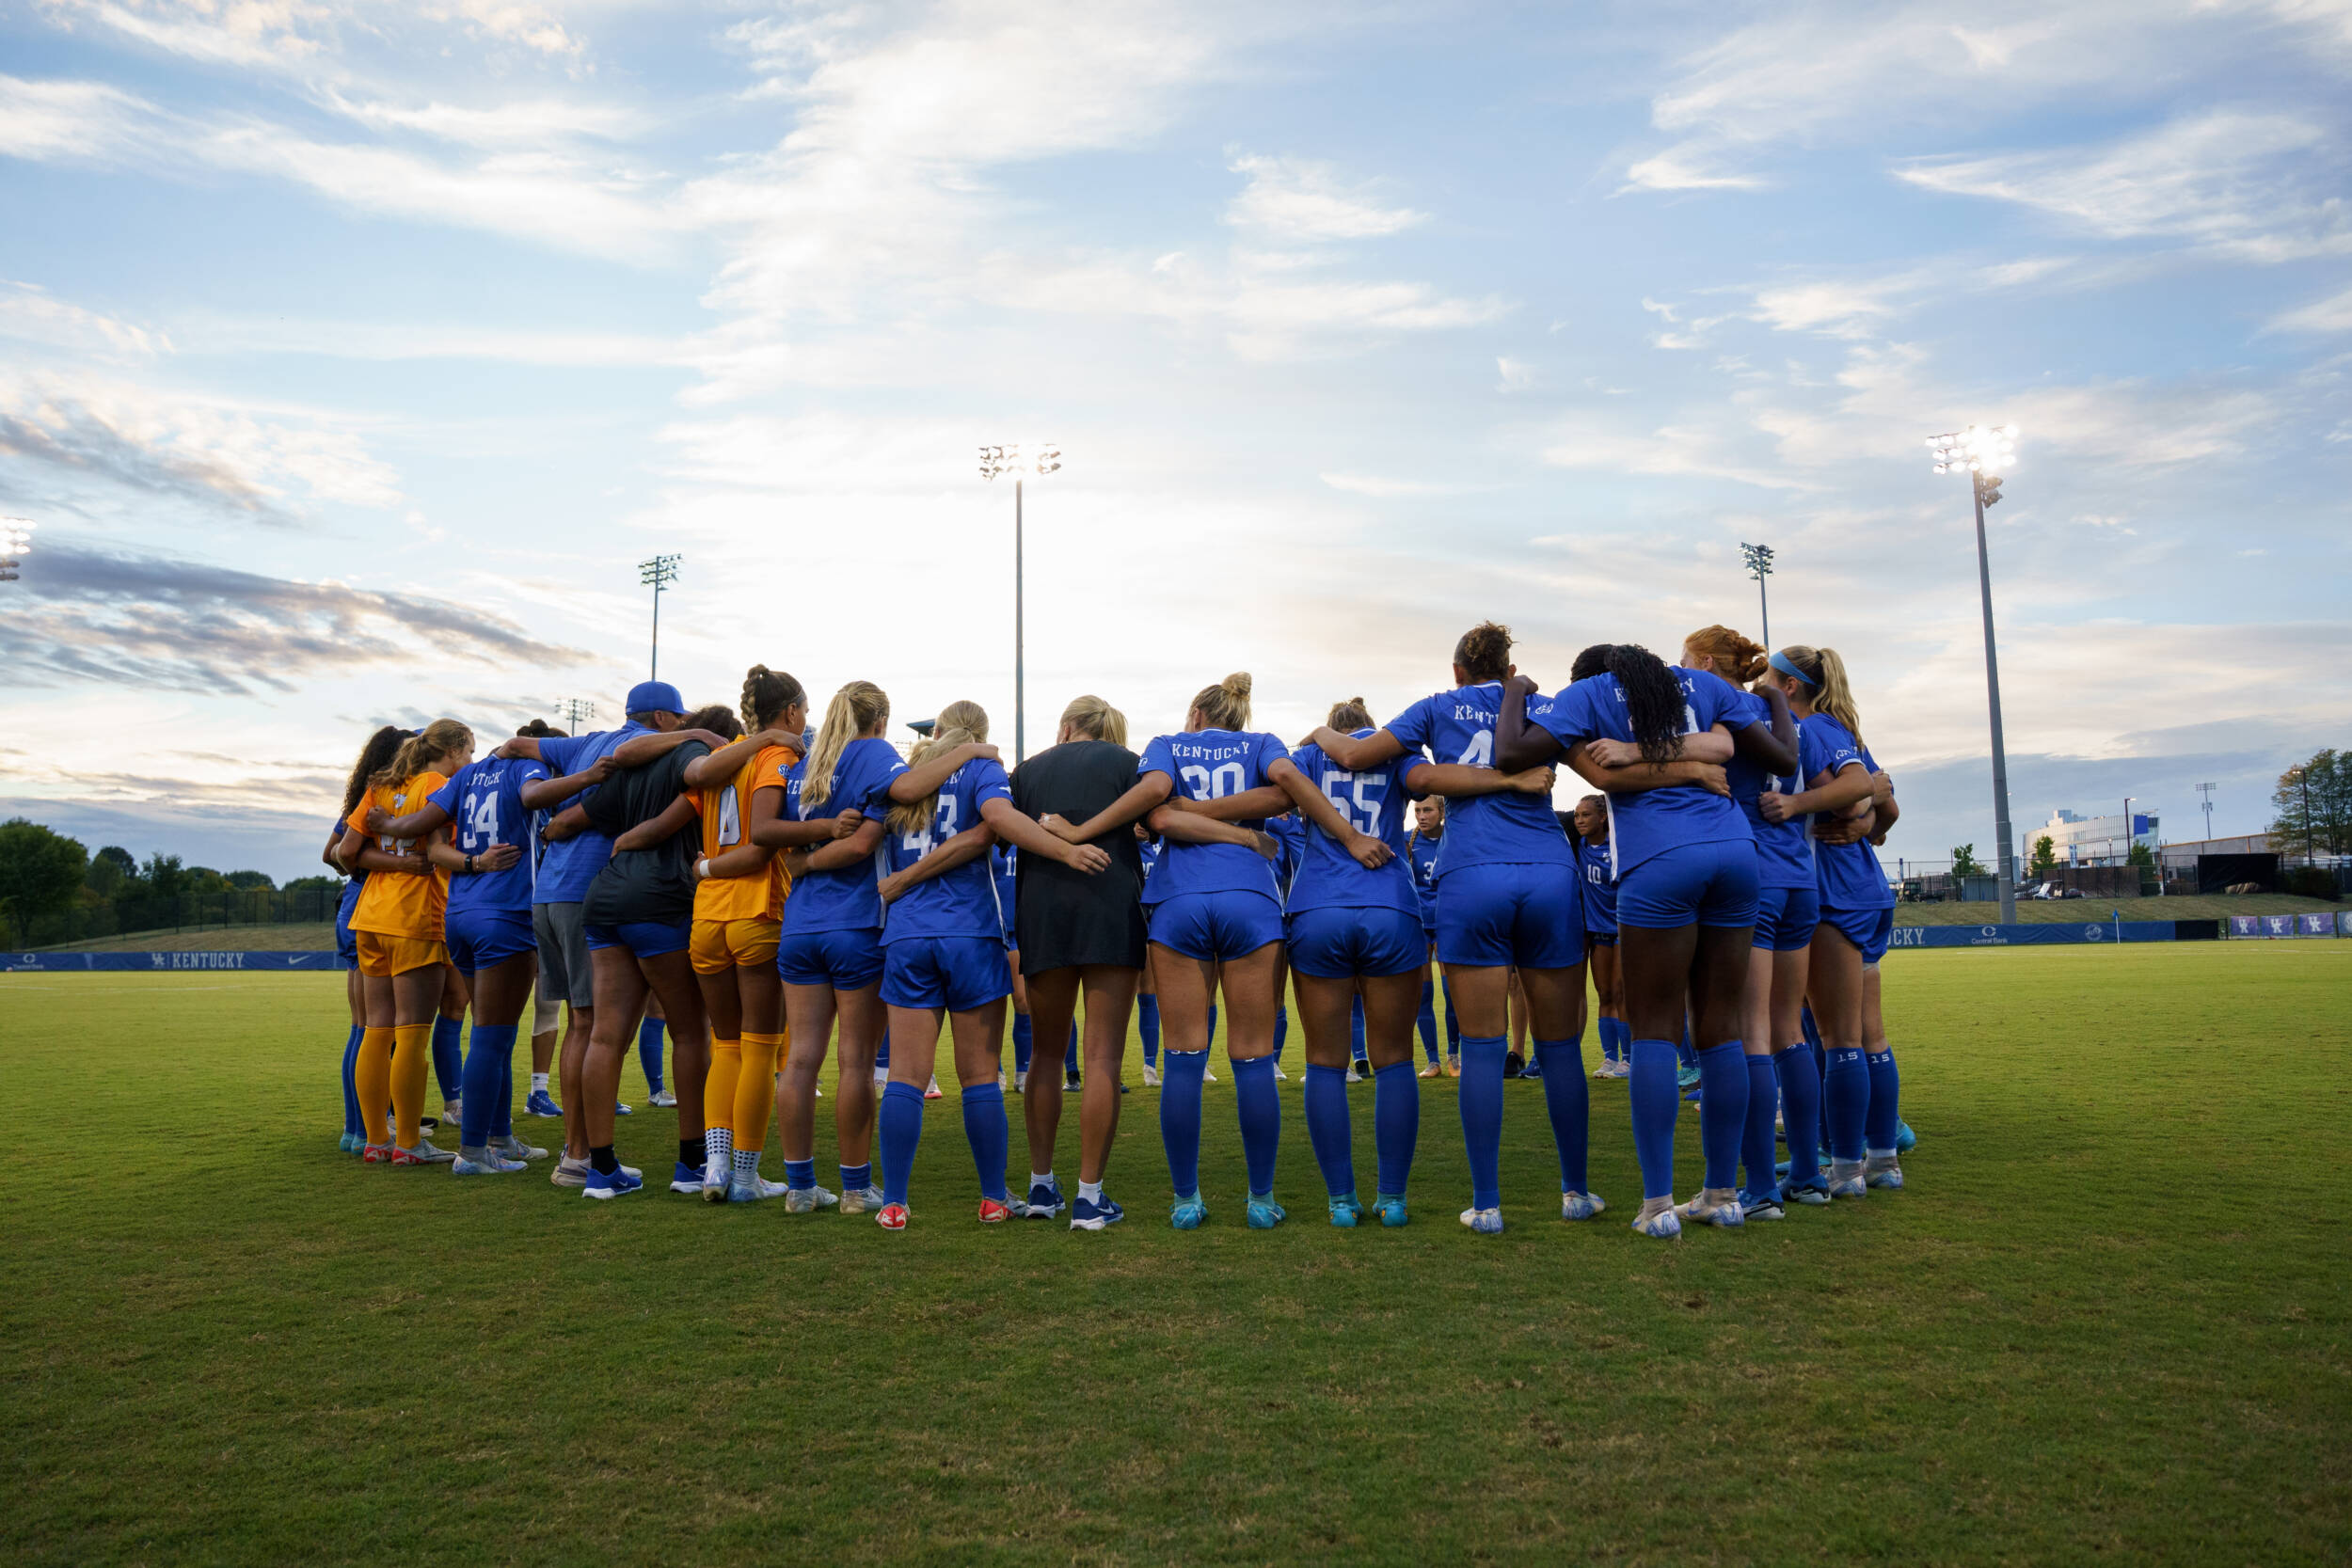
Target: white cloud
1296 199
2332 314
30 313
1380 487
1516 375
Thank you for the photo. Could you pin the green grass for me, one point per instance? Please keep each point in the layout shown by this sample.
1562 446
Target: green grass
304 937
2066 911
2107 1321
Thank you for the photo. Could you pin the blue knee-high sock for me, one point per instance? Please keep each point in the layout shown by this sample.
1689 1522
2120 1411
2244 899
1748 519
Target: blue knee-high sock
1800 1094
1356 1032
1281 1030
1180 1117
1069 1052
1656 1101
1328 1129
1570 1103
1723 1110
449 1059
1615 1043
1453 1024
1820 1065
990 1136
1021 1042
649 1032
1482 1117
1684 1055
1427 1020
492 1057
899 1124
503 1123
1260 1109
1756 1142
1212 1024
1885 1113
1147 1021
1396 1124
351 1090
1844 1102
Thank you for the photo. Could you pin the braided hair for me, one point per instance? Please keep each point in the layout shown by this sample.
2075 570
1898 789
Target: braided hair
1653 700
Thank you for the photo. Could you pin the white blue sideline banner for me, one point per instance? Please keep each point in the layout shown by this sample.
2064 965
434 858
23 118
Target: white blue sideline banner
2088 932
53 963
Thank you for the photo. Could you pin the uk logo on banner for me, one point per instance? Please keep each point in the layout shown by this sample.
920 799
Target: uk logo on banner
2245 926
2320 925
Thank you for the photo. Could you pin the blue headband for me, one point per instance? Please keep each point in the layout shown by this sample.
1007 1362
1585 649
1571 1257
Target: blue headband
1780 662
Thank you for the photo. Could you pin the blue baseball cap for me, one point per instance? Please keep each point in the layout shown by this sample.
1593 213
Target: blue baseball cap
654 697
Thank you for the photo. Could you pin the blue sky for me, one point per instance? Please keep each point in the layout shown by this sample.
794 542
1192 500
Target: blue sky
351 355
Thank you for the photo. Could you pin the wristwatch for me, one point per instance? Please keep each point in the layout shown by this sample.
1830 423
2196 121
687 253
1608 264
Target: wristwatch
469 866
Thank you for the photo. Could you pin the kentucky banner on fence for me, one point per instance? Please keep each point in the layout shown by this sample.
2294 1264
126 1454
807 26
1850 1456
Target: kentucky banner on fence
2088 932
51 963
2320 925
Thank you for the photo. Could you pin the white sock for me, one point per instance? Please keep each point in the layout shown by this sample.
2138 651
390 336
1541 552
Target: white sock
538 1083
1044 1181
1089 1191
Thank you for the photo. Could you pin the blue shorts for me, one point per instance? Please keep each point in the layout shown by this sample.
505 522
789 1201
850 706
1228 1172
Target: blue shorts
846 960
1340 944
1869 929
346 942
1216 924
483 939
1785 917
955 973
1528 915
647 939
1712 884
1601 939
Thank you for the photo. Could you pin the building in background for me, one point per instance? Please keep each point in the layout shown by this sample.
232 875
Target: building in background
2094 840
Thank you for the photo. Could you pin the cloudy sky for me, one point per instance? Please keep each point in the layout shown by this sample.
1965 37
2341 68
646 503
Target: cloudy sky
352 355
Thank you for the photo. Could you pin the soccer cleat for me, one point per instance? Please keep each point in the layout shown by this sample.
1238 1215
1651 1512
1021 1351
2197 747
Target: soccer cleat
1454 1067
1280 1075
1072 1081
454 1111
1881 1171
1150 1076
621 1110
1765 1208
541 1104
1532 1069
892 1217
1346 1211
514 1148
1658 1220
1187 1212
351 1143
423 1154
749 1186
1020 1080
1486 1222
686 1180
1713 1206
663 1100
1390 1208
1207 1077
1512 1064
1044 1202
1265 1213
491 1164
1094 1216
718 1176
1433 1070
603 1185
994 1211
569 1172
1845 1179
1905 1139
861 1200
932 1090
1811 1194
881 1078
1686 1078
805 1200
376 1154
1580 1206
1356 1073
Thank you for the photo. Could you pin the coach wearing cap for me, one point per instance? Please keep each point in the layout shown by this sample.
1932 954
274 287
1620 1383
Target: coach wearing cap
578 762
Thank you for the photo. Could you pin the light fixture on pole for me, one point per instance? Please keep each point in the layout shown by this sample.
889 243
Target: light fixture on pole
2128 839
1007 460
1759 559
16 541
575 709
1982 451
2205 793
658 573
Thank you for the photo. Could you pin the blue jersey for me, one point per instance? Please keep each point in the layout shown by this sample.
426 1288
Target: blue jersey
1644 824
958 903
485 803
1004 865
1210 765
1421 850
1509 829
570 864
1373 801
1290 838
848 899
1783 853
1601 887
1149 851
1848 875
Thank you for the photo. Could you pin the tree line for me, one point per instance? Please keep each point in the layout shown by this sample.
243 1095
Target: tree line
53 890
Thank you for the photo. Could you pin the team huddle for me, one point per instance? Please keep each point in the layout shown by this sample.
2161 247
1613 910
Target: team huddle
763 894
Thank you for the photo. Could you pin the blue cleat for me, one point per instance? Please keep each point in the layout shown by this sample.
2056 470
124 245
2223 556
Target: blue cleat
1765 1207
601 1185
1486 1222
1686 1078
1346 1211
1265 1213
1905 1139
541 1104
1390 1208
1094 1216
1580 1206
1044 1202
686 1179
1812 1194
491 1164
1532 1069
352 1143
620 1110
1187 1212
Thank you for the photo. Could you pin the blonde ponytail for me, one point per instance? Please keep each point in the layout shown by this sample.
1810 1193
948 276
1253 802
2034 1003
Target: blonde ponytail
853 710
1225 705
1831 692
1096 719
959 723
443 737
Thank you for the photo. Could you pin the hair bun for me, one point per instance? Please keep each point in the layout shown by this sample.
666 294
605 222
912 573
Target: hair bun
1237 683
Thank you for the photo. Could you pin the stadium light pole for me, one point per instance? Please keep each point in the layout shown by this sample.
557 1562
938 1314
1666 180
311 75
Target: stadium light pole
1981 452
2205 791
16 541
1760 559
575 709
658 573
2128 840
1007 460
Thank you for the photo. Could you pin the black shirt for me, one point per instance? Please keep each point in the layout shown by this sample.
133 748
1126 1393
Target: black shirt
656 884
1064 917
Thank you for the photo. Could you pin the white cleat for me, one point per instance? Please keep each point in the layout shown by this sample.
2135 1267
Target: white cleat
1846 1178
1881 1170
1656 1219
1487 1222
1280 1075
749 1186
514 1148
861 1200
1207 1077
1150 1076
930 1090
1580 1206
806 1200
1020 1080
1717 1206
569 1172
881 1078
491 1164
664 1100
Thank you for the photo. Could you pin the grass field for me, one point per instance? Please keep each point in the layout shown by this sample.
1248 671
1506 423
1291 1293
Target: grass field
2107 1321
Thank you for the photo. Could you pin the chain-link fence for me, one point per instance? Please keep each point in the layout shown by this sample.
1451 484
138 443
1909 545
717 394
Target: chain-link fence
184 911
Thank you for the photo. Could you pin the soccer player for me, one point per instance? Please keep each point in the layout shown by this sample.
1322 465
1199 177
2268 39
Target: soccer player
1506 898
1590 826
1857 915
1422 853
943 944
1786 911
1146 994
397 927
829 951
546 1009
489 938
373 755
1686 892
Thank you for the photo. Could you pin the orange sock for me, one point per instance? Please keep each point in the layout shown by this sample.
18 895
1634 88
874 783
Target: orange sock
755 1091
412 1068
726 1066
372 1076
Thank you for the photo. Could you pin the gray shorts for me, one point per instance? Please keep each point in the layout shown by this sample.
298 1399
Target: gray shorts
563 954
